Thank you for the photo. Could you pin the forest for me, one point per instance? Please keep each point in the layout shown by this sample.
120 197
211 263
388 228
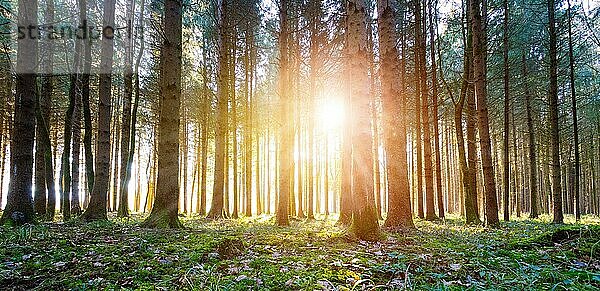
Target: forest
299 145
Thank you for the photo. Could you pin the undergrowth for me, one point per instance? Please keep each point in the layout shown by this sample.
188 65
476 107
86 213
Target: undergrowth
254 254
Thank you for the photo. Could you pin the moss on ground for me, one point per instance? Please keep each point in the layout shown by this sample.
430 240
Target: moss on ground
254 254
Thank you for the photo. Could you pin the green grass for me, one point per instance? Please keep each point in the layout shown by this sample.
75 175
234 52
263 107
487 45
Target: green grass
253 254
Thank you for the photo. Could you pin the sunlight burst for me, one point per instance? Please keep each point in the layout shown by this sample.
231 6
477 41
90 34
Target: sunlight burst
331 114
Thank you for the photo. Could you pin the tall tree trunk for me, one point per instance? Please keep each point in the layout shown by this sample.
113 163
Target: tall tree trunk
184 158
506 162
136 104
19 206
85 101
204 128
43 188
248 121
467 158
125 173
76 150
66 174
436 129
479 71
297 119
114 154
234 132
166 204
574 113
77 110
421 41
374 117
97 208
364 224
5 93
217 203
553 118
315 66
418 132
517 187
533 181
286 129
394 121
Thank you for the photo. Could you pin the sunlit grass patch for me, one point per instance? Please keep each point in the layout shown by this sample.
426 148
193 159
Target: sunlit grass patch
254 253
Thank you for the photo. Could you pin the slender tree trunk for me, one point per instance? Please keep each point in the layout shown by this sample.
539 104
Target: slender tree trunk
298 108
19 206
467 158
286 133
436 130
77 110
136 103
123 210
204 128
85 102
479 66
235 158
506 161
418 135
66 178
394 121
43 188
184 158
248 121
517 187
421 42
165 208
217 204
114 154
574 113
97 208
553 118
374 117
533 181
76 150
315 67
364 224
5 97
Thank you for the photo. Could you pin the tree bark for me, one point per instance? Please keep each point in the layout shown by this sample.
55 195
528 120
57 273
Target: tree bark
217 203
315 67
557 203
97 208
506 161
44 189
436 131
136 104
166 204
421 47
467 162
394 122
364 225
533 168
85 101
479 71
125 173
574 113
286 129
19 206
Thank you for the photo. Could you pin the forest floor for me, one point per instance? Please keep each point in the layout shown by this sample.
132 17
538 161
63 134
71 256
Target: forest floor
253 254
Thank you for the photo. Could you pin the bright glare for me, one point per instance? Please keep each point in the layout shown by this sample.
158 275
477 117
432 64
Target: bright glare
331 114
